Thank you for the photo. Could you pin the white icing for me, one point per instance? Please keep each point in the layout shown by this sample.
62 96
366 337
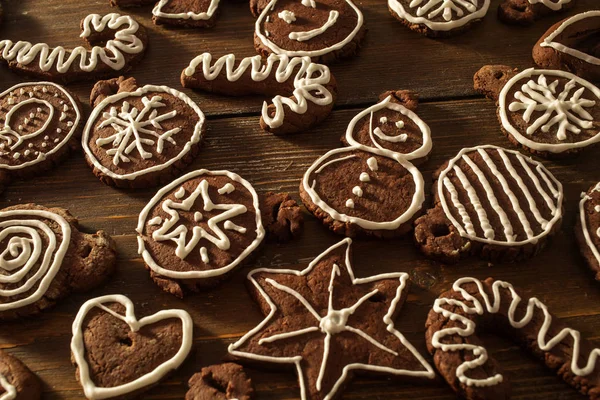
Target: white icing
350 203
307 35
157 11
586 230
204 255
332 323
383 120
554 5
309 3
226 189
287 16
357 191
372 164
364 177
456 13
10 391
78 350
549 40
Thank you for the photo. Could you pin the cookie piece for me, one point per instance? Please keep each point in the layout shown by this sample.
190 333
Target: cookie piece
437 18
587 230
17 382
462 359
281 216
40 124
119 356
393 126
492 202
526 12
572 45
550 113
324 30
186 13
117 43
311 87
329 324
220 382
140 136
45 258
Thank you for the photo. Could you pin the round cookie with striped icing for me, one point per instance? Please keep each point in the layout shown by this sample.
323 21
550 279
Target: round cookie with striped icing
17 382
526 12
493 202
587 230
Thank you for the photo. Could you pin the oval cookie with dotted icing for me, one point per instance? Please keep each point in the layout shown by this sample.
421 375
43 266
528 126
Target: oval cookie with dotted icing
355 191
491 201
198 228
587 230
140 136
39 125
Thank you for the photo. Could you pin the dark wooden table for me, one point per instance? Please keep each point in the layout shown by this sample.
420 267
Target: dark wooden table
392 58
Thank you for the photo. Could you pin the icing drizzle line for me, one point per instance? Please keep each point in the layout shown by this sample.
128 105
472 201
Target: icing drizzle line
587 234
157 11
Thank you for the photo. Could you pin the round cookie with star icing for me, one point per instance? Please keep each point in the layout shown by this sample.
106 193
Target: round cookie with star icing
324 30
587 230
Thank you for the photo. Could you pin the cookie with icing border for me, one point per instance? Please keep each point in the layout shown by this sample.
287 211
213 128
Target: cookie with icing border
17 382
550 113
115 44
463 361
587 229
220 382
45 258
185 13
40 125
491 202
324 30
140 136
435 18
120 356
329 325
572 45
526 12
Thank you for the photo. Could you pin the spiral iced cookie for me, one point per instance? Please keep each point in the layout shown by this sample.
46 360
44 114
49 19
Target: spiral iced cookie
587 230
17 382
526 12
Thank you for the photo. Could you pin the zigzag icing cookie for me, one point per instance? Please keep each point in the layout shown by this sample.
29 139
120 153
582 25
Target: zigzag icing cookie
189 13
311 86
587 230
526 12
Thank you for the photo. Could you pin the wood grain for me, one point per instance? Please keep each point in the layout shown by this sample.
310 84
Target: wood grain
392 57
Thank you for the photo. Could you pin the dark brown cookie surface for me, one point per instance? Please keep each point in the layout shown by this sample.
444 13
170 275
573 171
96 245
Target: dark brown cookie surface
220 382
587 230
17 382
526 12
140 136
329 325
281 216
45 257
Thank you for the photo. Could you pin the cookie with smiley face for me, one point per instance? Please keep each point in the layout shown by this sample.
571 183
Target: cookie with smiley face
324 30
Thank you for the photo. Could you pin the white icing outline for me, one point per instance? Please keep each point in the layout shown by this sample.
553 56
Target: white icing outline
9 389
312 53
115 98
554 6
552 148
400 12
387 319
260 231
205 15
549 40
302 36
42 156
586 231
92 391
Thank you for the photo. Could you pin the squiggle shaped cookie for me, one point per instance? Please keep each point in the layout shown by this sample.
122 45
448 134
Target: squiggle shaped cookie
125 45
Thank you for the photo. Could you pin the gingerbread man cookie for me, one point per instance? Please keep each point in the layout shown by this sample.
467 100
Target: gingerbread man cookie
526 12
17 382
187 13
587 230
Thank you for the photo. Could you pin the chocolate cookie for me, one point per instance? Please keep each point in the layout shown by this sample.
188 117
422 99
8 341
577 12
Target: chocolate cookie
492 202
220 382
45 257
437 18
587 230
117 43
329 325
119 356
550 113
17 382
324 30
40 123
187 13
281 216
304 92
140 136
462 359
572 45
526 12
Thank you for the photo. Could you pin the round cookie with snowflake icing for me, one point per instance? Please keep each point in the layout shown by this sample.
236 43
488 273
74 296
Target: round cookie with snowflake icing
140 136
587 230
39 126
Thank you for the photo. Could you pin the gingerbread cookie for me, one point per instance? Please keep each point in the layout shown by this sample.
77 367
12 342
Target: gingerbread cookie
140 136
44 258
311 87
120 356
526 12
550 113
220 382
187 13
40 123
123 41
587 230
324 30
462 359
17 382
437 18
329 325
572 45
492 202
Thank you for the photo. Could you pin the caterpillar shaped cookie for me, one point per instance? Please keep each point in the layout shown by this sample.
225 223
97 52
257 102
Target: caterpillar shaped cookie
311 87
464 362
124 45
